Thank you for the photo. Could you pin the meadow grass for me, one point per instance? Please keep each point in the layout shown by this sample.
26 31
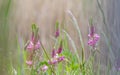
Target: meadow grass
74 62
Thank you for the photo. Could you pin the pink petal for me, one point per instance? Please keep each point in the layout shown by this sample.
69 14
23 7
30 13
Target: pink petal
93 39
44 68
57 33
59 50
53 52
53 61
37 45
61 58
96 38
29 62
30 46
91 42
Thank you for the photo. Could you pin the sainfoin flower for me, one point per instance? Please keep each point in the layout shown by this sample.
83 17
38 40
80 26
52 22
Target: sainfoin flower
61 58
44 68
56 60
55 56
57 33
57 30
33 44
59 50
93 37
29 62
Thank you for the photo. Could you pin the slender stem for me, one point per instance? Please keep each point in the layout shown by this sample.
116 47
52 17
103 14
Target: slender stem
47 57
83 59
44 50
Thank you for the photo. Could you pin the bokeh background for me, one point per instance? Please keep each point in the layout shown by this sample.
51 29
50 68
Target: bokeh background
16 17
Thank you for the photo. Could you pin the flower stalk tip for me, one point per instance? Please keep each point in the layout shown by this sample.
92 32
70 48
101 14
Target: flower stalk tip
93 37
57 31
60 48
33 44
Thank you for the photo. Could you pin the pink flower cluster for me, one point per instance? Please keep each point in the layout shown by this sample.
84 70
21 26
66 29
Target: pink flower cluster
93 37
57 33
57 30
55 56
44 68
29 62
33 45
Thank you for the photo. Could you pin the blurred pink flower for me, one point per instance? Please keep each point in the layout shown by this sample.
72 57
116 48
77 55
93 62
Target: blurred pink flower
44 68
59 50
55 56
57 33
93 37
53 53
56 52
34 43
56 59
32 46
53 61
29 62
61 58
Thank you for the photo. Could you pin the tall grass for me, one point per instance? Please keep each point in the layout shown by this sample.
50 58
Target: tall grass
4 34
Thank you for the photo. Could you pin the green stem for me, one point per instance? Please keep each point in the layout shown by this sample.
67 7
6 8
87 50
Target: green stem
83 58
47 57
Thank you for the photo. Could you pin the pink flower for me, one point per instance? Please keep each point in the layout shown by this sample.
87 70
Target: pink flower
34 43
57 33
56 59
29 62
44 68
59 50
93 37
32 46
55 56
37 45
53 61
56 52
61 58
53 53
